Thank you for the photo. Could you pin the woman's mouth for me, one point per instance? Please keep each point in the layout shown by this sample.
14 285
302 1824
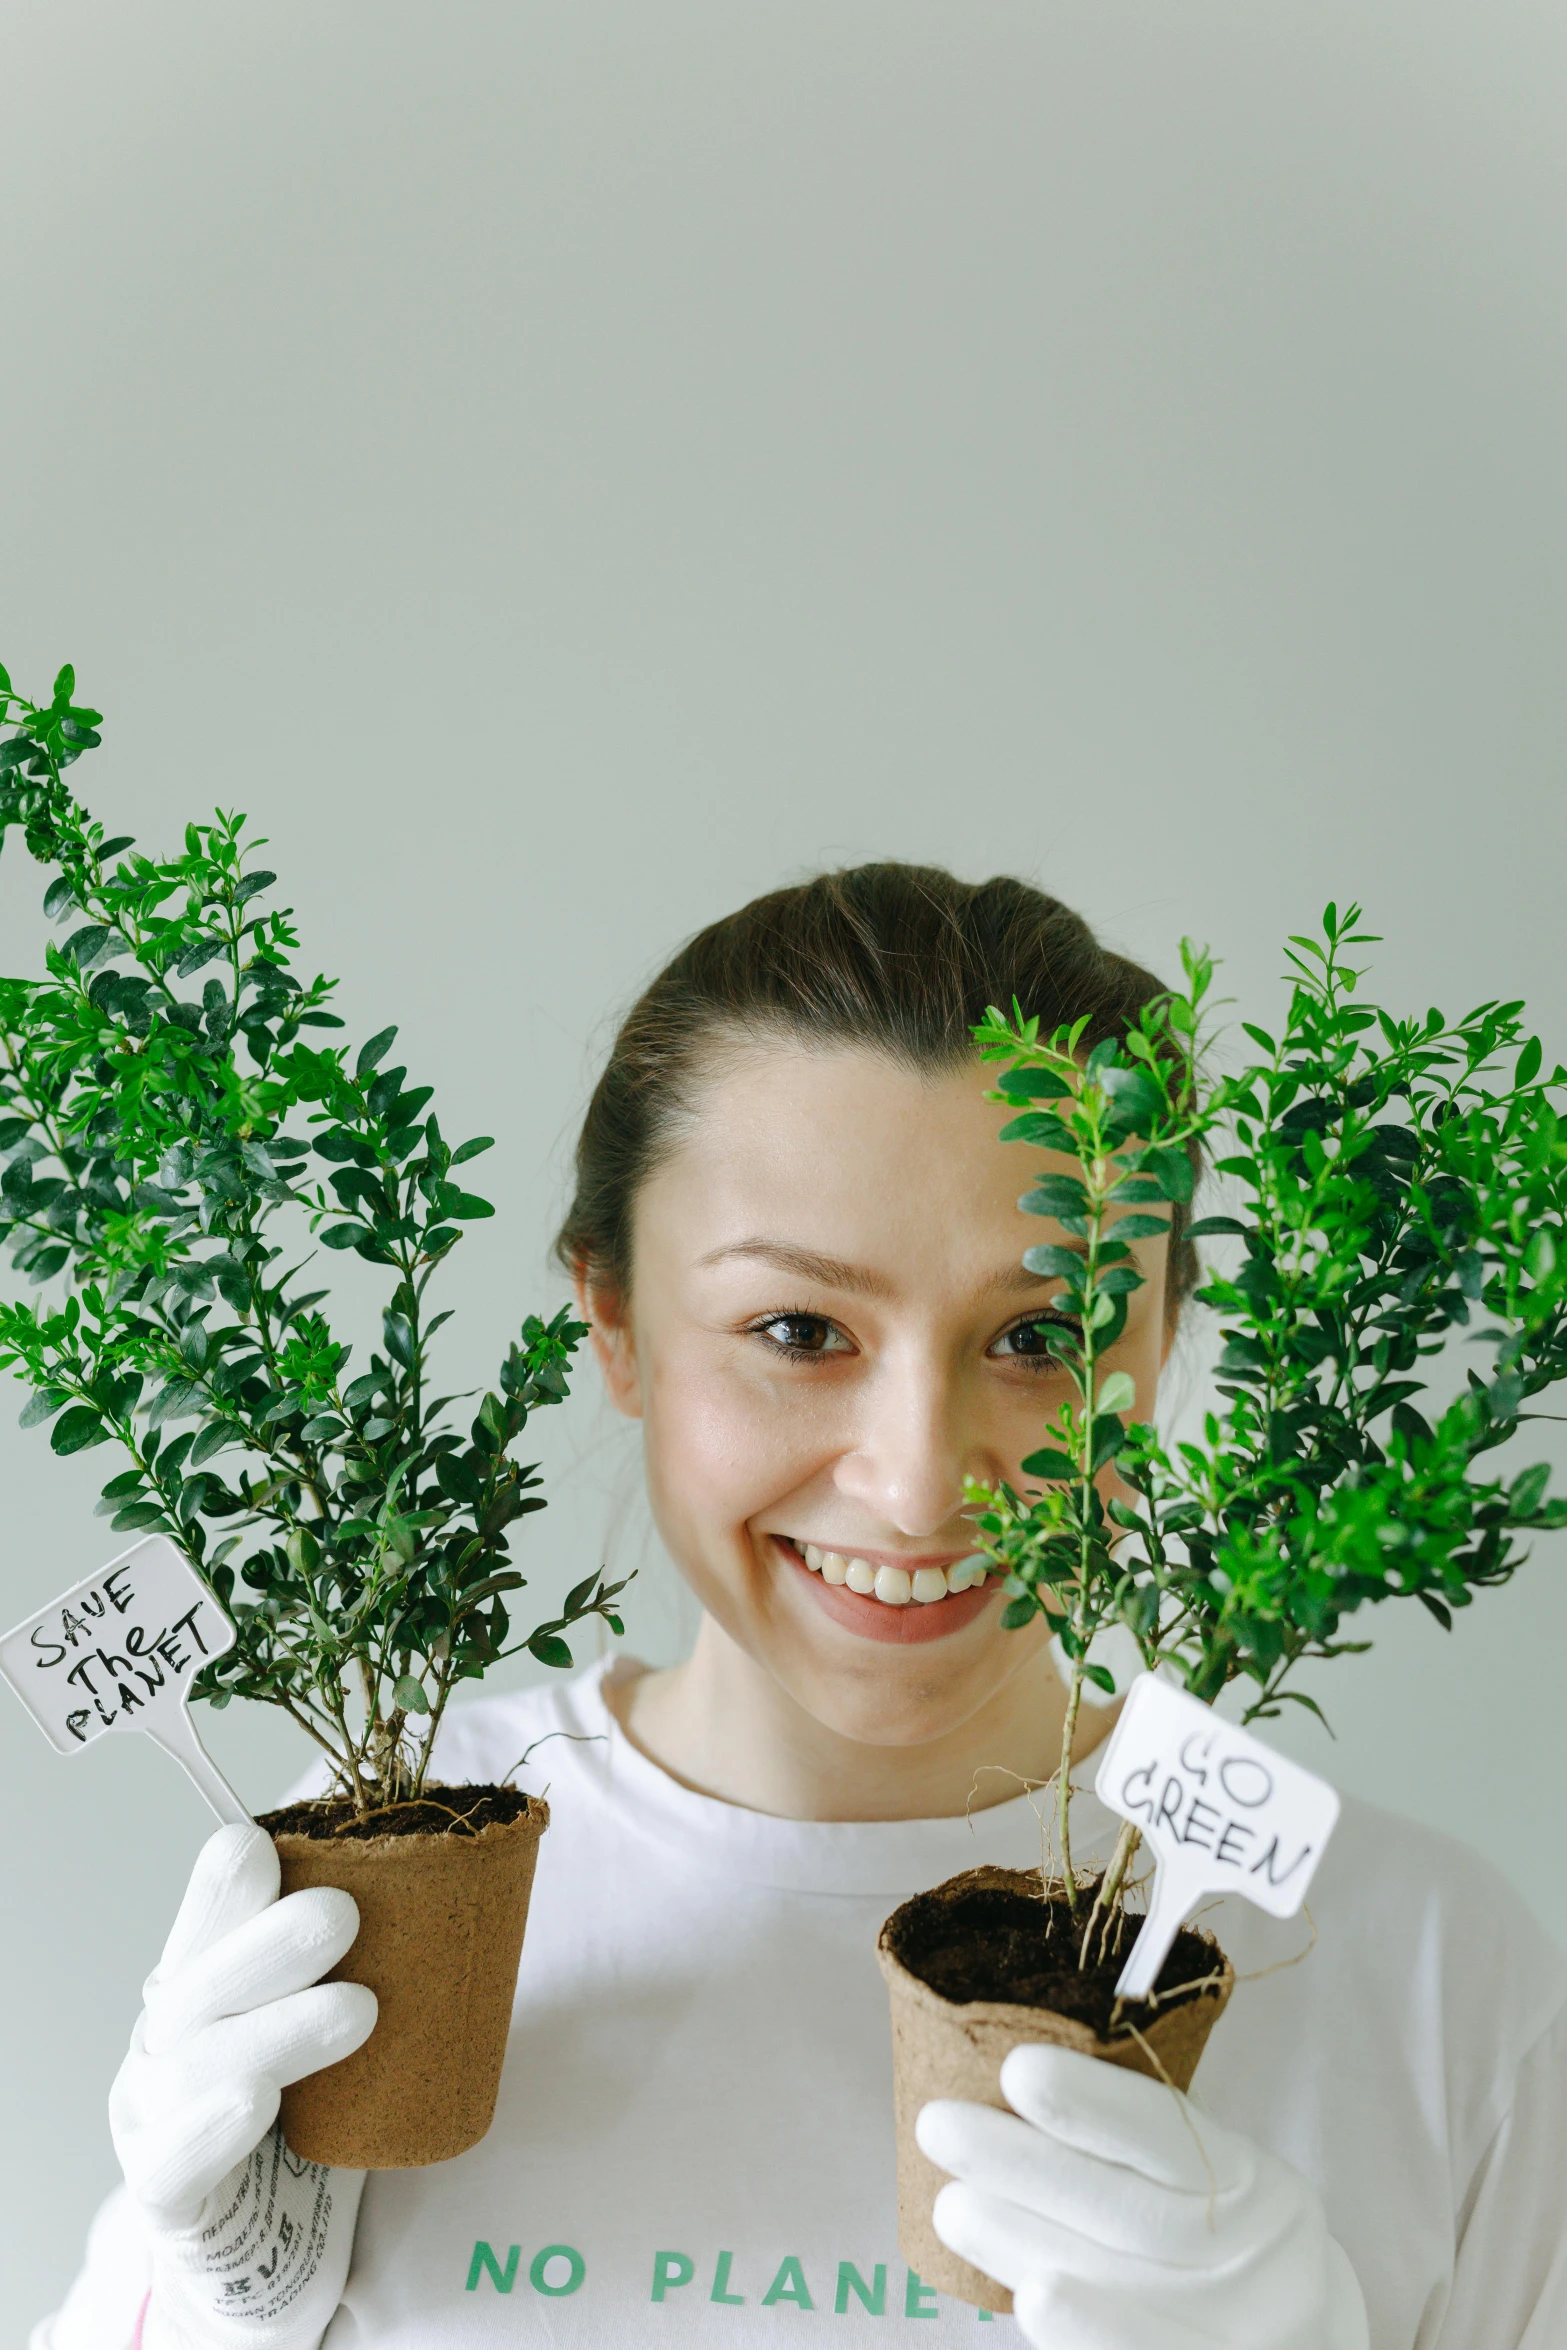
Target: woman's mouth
880 1600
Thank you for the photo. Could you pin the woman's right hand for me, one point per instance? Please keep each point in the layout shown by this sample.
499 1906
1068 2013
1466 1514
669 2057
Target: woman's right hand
247 2242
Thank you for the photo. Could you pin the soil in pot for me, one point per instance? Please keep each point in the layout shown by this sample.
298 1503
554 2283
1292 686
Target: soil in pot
986 1961
442 1887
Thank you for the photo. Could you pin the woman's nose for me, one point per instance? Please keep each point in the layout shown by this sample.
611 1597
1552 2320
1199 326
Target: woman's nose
914 1447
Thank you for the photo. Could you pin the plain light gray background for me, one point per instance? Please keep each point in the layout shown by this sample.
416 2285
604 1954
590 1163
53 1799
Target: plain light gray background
566 468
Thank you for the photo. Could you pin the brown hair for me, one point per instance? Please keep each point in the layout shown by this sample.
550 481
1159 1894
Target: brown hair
903 959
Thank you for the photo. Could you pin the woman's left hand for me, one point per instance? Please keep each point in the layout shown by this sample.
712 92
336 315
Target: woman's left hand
1121 2217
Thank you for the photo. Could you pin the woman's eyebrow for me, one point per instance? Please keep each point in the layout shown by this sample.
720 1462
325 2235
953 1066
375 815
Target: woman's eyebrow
859 1280
831 1272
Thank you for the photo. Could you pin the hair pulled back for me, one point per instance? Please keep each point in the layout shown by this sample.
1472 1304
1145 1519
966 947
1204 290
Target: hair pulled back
900 959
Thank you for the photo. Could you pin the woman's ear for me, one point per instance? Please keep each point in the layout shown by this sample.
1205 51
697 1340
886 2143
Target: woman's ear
610 1333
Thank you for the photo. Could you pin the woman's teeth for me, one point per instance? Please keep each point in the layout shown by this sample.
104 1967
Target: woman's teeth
893 1586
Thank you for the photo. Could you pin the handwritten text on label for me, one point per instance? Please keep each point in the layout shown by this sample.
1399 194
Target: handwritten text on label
1220 1811
119 1652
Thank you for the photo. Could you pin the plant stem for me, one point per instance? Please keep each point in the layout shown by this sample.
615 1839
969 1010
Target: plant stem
1109 1889
1064 1788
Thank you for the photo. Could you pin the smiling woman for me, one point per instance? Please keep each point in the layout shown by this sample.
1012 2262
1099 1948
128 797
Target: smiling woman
798 1241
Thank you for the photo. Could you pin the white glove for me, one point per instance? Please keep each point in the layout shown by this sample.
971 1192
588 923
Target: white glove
1122 2217
249 2244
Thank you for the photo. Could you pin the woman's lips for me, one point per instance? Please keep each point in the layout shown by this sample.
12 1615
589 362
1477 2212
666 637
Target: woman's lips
872 1619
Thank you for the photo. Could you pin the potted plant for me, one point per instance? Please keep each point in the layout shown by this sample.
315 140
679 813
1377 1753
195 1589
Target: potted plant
169 1108
1395 1182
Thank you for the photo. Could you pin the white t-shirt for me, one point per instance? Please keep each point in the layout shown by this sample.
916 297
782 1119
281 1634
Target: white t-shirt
696 2111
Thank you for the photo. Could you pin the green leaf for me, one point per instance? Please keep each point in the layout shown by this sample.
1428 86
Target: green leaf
212 1439
1100 1678
1039 1085
1048 1463
471 1149
1054 1263
550 1650
398 1334
1109 1438
177 1401
64 687
467 1206
1055 1195
1042 1127
456 1478
384 1092
1118 1394
1140 1227
1209 1227
205 950
1019 1612
83 947
373 1053
78 1430
1529 1060
345 1235
1528 1490
1170 1168
43 1406
409 1694
173 1458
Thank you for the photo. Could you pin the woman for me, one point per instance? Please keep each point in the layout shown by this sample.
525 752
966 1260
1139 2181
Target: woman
796 1238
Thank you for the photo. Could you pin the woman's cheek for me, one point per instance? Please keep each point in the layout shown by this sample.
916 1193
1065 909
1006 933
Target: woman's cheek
722 1447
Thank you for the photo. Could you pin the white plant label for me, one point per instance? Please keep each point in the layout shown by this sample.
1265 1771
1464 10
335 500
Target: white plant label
1221 1813
119 1652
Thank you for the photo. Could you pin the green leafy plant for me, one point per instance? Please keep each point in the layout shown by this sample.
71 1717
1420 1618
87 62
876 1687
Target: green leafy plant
1396 1183
166 1115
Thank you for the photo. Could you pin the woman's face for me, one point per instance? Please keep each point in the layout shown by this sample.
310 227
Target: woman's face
829 1329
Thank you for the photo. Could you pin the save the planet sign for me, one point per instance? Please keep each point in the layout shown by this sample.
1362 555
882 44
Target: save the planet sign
119 1651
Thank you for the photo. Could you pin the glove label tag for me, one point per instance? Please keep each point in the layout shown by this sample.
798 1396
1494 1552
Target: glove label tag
1220 1811
119 1652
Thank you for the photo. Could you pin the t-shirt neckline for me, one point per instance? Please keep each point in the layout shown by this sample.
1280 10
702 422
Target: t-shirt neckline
887 1858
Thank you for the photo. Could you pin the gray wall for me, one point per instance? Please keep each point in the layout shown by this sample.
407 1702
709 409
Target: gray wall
566 468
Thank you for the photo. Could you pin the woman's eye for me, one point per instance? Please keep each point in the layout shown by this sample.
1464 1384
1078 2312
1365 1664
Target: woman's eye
1030 1341
801 1334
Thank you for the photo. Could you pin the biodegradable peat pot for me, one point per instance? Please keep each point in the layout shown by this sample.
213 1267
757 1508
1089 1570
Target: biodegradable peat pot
443 1900
953 2047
